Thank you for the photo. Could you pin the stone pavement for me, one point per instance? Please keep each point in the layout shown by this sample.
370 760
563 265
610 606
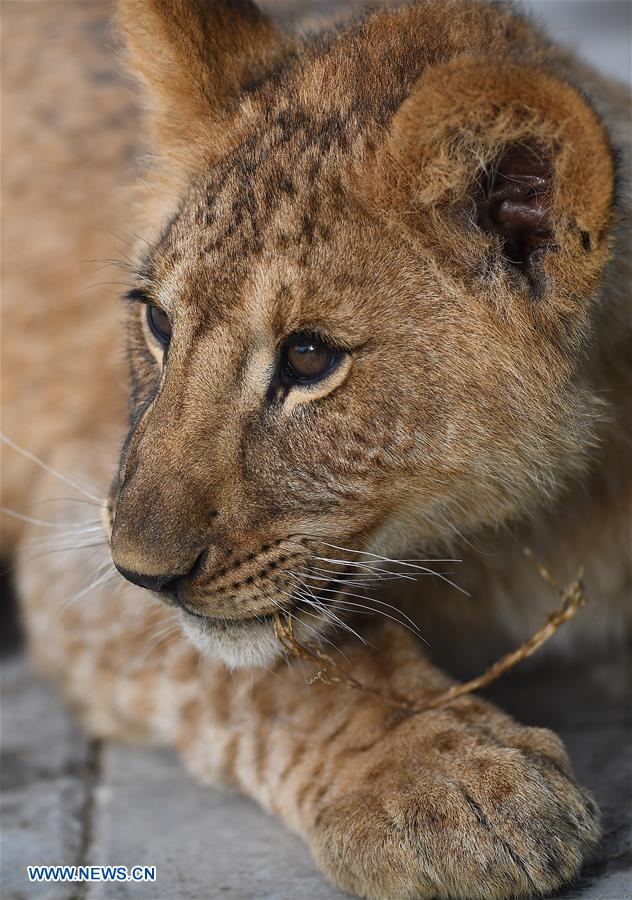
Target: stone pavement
69 800
72 801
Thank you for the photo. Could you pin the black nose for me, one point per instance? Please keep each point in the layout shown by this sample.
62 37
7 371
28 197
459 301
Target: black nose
161 584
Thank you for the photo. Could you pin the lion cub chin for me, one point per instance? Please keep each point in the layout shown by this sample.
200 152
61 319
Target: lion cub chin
237 643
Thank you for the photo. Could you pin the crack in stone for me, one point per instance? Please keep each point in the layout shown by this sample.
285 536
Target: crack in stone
94 763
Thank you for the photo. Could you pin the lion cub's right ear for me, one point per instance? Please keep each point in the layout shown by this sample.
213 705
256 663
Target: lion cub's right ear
505 173
194 57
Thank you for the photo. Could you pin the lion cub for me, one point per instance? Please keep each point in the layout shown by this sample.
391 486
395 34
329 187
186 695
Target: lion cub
376 308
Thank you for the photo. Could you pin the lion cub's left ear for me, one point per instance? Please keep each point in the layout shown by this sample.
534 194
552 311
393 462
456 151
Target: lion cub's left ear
194 59
506 173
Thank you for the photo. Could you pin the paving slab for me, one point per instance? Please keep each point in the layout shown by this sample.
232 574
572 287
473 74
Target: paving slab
45 773
205 843
70 801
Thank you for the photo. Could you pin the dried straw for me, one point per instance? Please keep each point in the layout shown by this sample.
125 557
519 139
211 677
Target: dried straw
573 597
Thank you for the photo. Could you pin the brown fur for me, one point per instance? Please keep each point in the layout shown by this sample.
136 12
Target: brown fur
341 186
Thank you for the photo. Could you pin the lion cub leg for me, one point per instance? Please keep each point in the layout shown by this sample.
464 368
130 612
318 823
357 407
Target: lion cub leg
459 801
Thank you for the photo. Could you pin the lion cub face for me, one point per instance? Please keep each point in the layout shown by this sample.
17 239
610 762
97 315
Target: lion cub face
353 333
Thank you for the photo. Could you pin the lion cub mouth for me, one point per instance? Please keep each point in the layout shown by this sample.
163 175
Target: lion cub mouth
250 639
233 621
289 605
227 608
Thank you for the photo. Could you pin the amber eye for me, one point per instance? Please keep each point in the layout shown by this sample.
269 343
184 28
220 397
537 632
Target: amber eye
159 325
307 357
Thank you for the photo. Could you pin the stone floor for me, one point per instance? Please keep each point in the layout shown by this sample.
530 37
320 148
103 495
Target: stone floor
68 800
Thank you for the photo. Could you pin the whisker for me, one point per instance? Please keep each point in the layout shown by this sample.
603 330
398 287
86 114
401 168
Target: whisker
408 564
320 637
66 500
357 578
72 534
141 238
364 580
40 462
364 566
307 596
433 560
55 538
119 238
125 264
43 523
351 606
412 625
69 601
33 556
95 284
165 635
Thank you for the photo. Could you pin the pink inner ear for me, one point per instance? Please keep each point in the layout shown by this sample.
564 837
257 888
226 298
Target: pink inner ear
516 203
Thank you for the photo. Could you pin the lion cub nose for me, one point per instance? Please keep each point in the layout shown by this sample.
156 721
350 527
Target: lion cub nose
162 584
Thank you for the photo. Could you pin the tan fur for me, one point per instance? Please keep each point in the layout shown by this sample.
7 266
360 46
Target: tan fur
333 186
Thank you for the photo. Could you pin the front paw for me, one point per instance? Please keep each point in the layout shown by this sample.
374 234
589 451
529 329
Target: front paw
459 803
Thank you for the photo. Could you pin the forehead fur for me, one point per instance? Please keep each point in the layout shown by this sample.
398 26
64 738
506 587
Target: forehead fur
296 164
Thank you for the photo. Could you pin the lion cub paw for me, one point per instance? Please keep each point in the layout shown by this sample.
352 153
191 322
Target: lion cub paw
446 805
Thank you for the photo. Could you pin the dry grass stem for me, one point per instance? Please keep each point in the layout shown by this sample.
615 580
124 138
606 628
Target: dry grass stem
573 597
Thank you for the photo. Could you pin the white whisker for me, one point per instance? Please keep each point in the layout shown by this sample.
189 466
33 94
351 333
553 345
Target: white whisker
318 635
40 462
42 523
401 562
373 581
352 606
164 635
96 583
305 593
78 548
412 626
356 578
359 580
365 566
66 500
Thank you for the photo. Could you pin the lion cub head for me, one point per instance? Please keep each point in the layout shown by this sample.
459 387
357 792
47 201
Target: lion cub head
363 292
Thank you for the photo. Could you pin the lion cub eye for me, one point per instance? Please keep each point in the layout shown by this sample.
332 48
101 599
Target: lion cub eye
306 358
159 325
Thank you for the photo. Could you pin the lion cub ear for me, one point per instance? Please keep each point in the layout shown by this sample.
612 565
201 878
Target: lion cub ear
194 57
505 173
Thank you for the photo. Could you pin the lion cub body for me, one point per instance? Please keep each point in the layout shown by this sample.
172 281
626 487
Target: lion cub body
343 186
